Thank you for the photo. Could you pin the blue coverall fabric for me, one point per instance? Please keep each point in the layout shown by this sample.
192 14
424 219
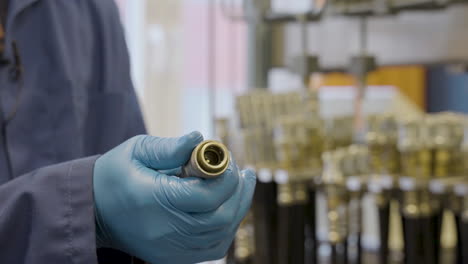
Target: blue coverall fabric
74 99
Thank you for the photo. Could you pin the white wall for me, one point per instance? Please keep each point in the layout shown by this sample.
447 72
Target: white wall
410 37
169 47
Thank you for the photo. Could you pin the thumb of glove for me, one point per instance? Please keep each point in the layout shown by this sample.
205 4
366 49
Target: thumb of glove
166 153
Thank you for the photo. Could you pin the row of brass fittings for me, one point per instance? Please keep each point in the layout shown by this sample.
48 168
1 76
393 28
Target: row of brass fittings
282 134
277 127
258 113
431 148
420 150
341 184
432 145
294 140
300 141
299 145
285 128
259 148
262 108
295 155
285 134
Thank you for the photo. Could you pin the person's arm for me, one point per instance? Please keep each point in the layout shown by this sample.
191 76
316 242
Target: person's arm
47 216
124 200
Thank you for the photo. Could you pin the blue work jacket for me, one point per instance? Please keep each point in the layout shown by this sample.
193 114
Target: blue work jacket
65 96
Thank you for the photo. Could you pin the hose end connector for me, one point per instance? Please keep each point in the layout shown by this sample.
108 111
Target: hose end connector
209 159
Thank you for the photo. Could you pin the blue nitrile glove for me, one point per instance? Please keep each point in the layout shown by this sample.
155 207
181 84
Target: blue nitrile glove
143 211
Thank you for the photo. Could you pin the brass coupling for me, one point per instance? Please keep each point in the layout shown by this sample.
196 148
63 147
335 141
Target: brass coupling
417 198
337 214
449 192
292 191
209 160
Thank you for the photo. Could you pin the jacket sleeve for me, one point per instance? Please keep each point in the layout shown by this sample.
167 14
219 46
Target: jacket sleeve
47 216
113 112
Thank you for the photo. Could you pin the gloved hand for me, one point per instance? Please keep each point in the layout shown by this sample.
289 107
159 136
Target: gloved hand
144 211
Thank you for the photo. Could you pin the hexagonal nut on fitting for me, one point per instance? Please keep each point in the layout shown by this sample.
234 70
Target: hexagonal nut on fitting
209 159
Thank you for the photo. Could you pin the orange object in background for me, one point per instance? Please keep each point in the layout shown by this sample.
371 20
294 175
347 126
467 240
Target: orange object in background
409 79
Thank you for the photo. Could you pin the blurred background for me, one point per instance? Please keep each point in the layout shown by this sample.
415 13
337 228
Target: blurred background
352 112
187 57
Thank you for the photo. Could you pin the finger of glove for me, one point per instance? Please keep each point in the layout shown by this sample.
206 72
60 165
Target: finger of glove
249 190
172 172
195 195
201 241
179 248
196 255
165 153
218 251
229 214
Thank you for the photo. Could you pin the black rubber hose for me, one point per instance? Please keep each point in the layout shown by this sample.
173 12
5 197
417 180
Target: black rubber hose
230 256
463 240
339 253
411 235
429 243
459 257
272 214
298 234
284 234
245 261
356 240
310 230
436 223
384 223
291 239
345 253
265 226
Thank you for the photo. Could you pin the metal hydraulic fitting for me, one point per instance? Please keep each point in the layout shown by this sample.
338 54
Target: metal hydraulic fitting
339 132
209 159
446 133
416 167
446 136
288 147
334 189
384 154
355 170
414 149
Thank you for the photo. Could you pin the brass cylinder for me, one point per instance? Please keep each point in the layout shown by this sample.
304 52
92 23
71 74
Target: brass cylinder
209 159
